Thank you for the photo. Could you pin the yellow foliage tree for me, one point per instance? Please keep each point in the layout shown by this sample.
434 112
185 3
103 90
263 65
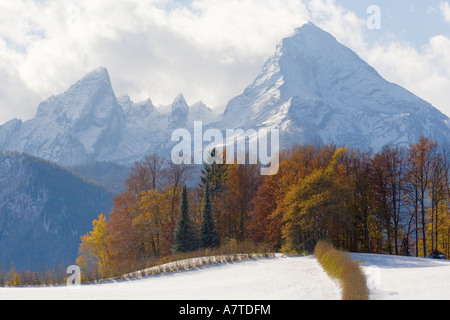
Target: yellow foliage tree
93 250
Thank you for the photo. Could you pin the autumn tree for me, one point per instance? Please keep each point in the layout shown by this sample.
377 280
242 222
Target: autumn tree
236 201
146 174
388 178
438 195
421 158
126 242
93 248
315 208
265 223
155 220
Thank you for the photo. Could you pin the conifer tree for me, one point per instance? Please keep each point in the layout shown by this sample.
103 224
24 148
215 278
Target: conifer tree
185 239
209 237
214 174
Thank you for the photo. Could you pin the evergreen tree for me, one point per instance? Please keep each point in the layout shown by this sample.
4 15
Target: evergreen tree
209 237
213 174
185 239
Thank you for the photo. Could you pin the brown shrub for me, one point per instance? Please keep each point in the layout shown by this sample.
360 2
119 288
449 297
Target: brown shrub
340 265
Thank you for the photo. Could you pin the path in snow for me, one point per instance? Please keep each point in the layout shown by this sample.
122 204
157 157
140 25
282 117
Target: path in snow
406 278
280 278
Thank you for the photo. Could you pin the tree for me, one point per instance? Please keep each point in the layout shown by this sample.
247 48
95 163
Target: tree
146 175
438 195
421 158
93 249
185 239
265 225
125 241
209 237
155 221
316 208
236 201
213 174
388 179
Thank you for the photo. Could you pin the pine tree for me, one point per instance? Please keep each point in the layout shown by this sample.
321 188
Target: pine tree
209 237
214 175
185 239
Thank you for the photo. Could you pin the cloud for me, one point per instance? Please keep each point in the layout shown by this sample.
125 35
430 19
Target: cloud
424 71
208 49
445 9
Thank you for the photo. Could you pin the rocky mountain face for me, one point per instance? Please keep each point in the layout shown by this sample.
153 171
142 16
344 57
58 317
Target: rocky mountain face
87 123
314 89
44 210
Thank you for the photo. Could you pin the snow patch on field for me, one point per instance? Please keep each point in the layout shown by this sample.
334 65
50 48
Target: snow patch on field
405 278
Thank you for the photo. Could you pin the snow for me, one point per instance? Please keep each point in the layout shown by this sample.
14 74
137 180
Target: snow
316 89
313 89
278 278
406 278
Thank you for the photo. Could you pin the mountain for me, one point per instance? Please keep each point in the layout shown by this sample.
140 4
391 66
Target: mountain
44 210
83 123
315 89
109 174
87 123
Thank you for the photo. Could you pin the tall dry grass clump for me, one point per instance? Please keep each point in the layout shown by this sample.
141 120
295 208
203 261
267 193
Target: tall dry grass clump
340 265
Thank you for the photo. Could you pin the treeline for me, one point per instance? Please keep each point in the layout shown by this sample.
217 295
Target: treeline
395 202
51 277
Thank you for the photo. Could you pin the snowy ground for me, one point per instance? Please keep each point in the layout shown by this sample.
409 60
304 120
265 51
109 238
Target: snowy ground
406 278
279 278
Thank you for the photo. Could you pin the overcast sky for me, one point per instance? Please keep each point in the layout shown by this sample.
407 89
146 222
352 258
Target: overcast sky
209 50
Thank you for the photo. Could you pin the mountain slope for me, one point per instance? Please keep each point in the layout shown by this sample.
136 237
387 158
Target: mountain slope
314 89
108 174
44 210
87 123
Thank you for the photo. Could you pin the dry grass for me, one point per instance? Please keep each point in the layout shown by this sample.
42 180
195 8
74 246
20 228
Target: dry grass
230 251
340 265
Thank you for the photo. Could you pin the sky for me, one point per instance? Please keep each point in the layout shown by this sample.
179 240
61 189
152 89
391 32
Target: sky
209 50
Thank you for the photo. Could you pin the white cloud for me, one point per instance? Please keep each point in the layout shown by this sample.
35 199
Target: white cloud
209 50
445 9
424 72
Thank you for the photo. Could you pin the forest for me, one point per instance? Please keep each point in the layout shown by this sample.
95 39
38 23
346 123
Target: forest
395 202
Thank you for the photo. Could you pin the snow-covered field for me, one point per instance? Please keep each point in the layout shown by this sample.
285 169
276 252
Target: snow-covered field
406 278
277 278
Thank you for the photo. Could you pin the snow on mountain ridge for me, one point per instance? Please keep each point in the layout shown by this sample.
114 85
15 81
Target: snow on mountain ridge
313 89
317 90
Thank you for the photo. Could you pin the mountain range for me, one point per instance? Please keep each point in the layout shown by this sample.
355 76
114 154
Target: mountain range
313 89
44 210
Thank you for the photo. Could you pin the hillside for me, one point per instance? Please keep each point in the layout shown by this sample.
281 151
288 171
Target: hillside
44 210
109 174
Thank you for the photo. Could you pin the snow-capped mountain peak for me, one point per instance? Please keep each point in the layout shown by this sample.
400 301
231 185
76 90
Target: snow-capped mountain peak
317 90
312 88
